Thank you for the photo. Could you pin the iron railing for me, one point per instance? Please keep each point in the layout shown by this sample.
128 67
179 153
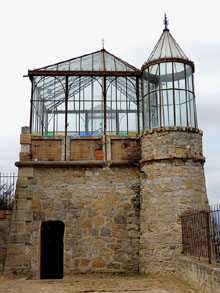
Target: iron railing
7 190
201 233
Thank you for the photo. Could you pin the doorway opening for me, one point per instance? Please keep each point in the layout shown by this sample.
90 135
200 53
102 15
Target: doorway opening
51 259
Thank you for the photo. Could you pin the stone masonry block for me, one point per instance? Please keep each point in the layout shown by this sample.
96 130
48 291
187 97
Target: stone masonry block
18 227
21 204
15 261
19 215
25 156
19 238
25 139
15 248
25 148
25 130
21 182
26 172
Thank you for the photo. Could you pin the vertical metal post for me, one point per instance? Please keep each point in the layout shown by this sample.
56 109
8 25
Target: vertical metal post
194 103
66 113
160 95
126 96
186 92
42 117
148 95
79 100
31 108
138 110
105 130
174 107
208 236
104 97
116 107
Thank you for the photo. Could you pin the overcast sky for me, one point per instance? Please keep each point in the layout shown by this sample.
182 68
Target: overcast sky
39 33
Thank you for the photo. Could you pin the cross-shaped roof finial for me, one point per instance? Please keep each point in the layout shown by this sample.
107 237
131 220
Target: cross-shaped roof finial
165 22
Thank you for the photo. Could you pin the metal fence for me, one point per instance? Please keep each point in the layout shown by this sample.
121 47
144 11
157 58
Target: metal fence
7 190
201 233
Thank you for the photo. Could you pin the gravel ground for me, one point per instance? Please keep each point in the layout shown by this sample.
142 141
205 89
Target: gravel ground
96 283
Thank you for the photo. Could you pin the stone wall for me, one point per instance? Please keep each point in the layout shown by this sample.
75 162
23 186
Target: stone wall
99 207
200 275
5 220
119 197
172 182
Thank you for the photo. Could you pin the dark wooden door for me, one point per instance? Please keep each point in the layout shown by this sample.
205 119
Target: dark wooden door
51 266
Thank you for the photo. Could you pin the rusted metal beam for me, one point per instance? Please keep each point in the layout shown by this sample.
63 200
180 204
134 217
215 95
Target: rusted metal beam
81 73
161 60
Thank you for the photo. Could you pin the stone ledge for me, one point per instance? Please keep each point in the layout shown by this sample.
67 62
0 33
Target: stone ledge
199 274
172 157
172 128
66 164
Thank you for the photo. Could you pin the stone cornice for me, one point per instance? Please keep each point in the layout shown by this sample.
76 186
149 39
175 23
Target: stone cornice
67 164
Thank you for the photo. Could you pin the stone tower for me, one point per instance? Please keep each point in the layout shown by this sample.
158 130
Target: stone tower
171 166
111 159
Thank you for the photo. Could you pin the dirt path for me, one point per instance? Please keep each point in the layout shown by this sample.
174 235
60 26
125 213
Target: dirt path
96 283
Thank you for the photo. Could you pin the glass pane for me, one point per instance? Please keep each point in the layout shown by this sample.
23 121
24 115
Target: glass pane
179 75
86 63
98 62
167 111
122 124
132 123
109 63
191 110
145 82
146 113
189 74
154 110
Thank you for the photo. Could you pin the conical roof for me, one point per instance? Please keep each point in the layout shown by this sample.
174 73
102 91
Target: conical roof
166 47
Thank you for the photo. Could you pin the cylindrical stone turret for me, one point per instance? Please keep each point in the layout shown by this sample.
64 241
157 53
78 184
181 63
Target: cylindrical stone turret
172 174
172 181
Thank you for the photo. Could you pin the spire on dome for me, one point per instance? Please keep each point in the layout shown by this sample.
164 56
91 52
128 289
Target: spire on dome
165 22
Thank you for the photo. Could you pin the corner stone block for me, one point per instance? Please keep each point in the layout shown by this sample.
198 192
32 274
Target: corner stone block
25 156
25 139
25 130
26 172
25 148
21 182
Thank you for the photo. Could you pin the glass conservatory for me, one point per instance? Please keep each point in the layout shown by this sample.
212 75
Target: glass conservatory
95 94
100 94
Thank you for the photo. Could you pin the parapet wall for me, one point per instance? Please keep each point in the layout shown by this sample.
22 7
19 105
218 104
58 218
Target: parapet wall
78 148
200 275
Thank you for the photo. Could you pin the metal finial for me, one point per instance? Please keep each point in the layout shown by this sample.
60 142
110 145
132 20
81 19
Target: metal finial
103 43
165 22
